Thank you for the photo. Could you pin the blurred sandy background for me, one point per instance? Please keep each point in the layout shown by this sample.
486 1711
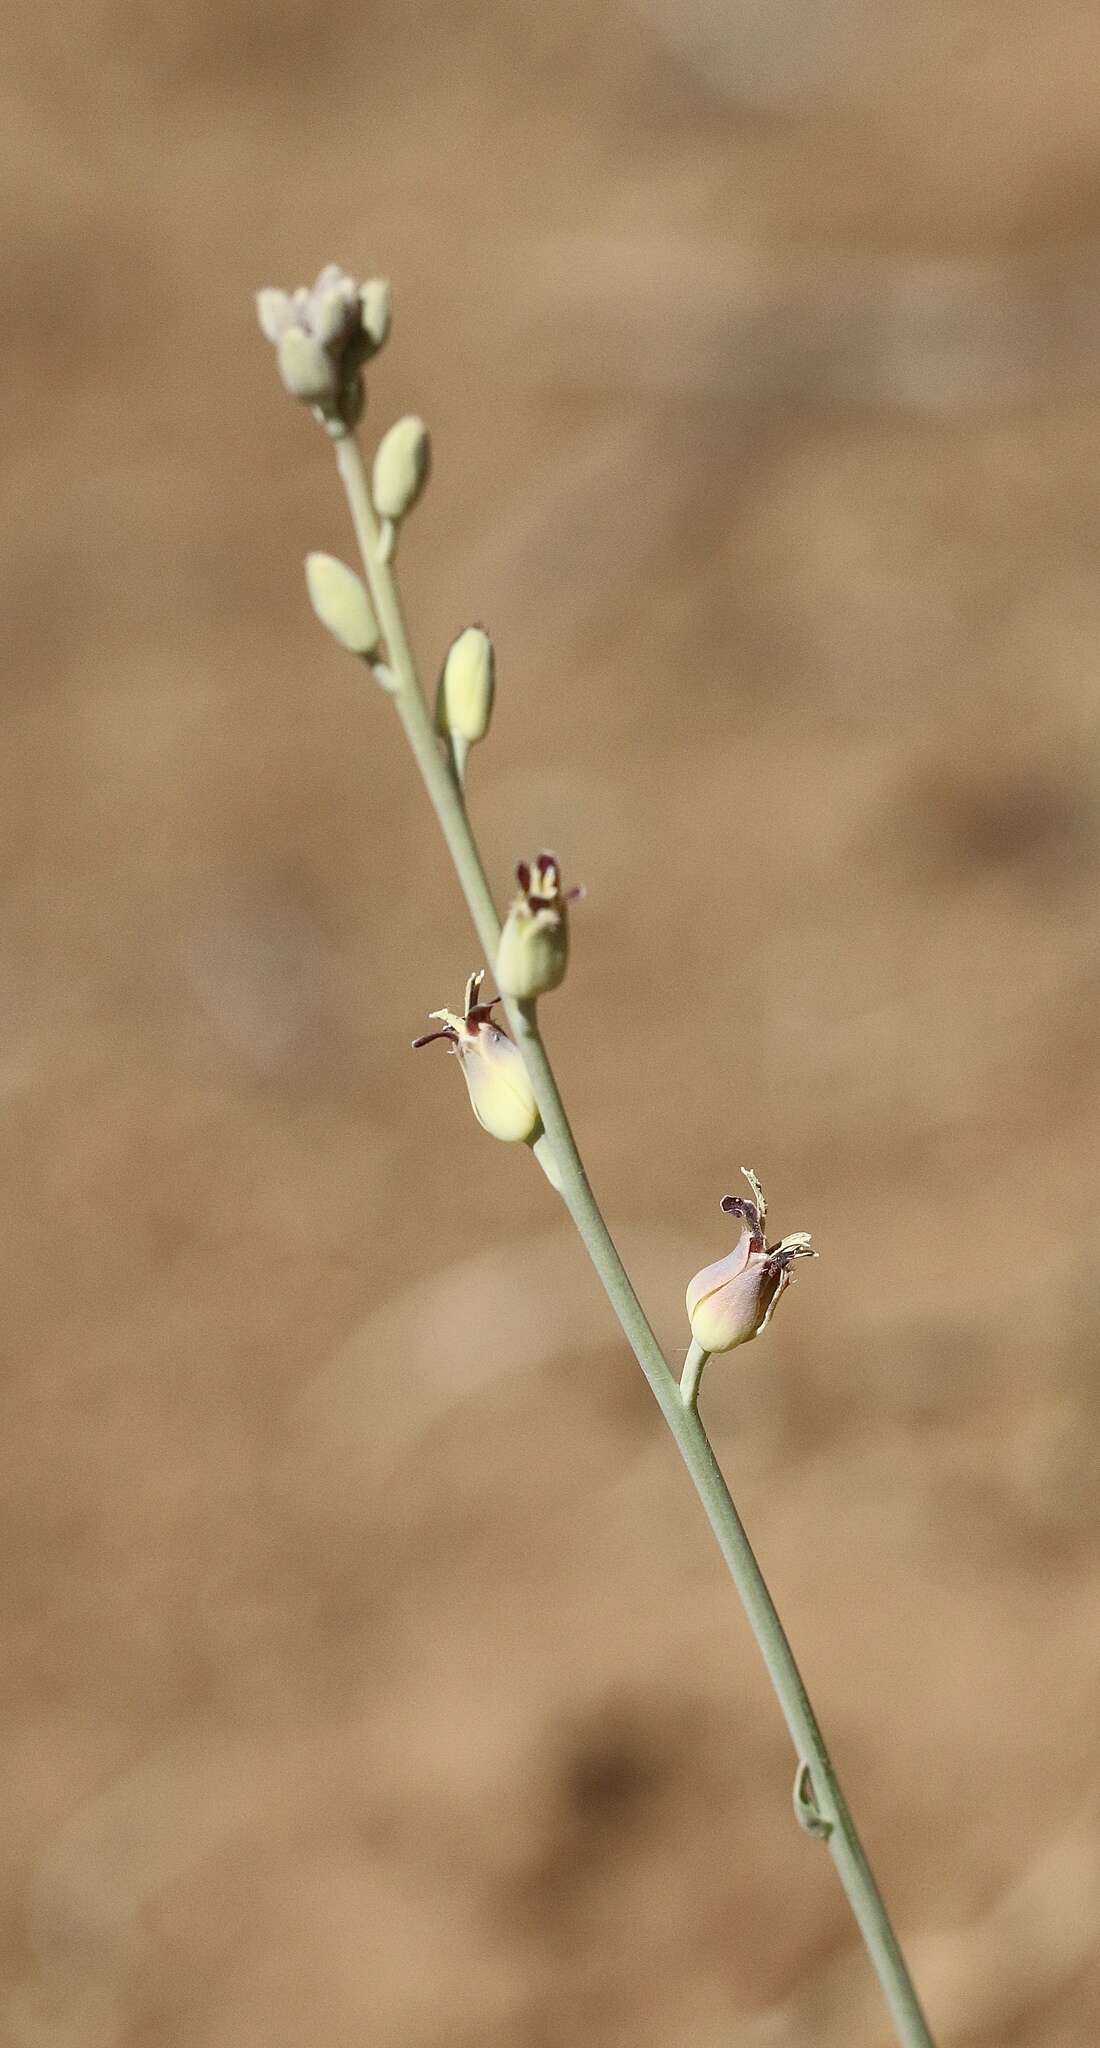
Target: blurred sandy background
369 1675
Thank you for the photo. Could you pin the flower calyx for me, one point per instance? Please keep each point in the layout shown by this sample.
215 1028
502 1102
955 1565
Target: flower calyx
733 1300
322 335
500 1091
534 944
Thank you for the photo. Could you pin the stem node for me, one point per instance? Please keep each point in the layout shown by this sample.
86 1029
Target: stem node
806 1809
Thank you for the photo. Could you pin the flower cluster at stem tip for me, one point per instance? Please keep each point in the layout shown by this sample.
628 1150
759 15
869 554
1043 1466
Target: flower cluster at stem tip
322 335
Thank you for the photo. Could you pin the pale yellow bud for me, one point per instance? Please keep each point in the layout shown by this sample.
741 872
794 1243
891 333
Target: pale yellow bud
401 467
375 300
465 701
341 603
733 1300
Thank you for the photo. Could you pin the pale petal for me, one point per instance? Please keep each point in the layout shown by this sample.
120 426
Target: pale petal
275 312
722 1271
501 1095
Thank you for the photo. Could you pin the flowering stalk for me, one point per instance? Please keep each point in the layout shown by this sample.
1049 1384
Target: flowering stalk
745 1294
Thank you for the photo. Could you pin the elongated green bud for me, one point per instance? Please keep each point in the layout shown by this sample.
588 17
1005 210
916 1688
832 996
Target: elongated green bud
341 604
401 467
464 704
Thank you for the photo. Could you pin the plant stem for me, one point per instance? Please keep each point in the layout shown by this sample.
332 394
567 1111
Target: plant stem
828 1811
691 1378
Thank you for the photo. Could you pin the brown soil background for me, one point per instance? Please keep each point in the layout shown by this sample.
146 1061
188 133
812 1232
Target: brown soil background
369 1675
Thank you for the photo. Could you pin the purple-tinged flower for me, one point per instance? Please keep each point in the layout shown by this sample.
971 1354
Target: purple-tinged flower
501 1094
322 335
534 944
731 1301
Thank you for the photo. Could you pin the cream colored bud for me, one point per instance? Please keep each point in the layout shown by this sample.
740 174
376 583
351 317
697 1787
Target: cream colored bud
341 603
376 299
401 467
329 315
305 367
534 944
733 1300
464 703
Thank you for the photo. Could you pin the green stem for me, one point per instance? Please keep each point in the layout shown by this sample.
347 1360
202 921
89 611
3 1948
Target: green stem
692 1375
829 1809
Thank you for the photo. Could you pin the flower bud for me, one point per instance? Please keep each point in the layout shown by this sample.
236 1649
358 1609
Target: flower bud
731 1301
465 700
305 367
375 300
501 1094
329 314
341 603
534 944
322 339
401 467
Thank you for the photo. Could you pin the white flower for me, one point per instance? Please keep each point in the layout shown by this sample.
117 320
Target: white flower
322 335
